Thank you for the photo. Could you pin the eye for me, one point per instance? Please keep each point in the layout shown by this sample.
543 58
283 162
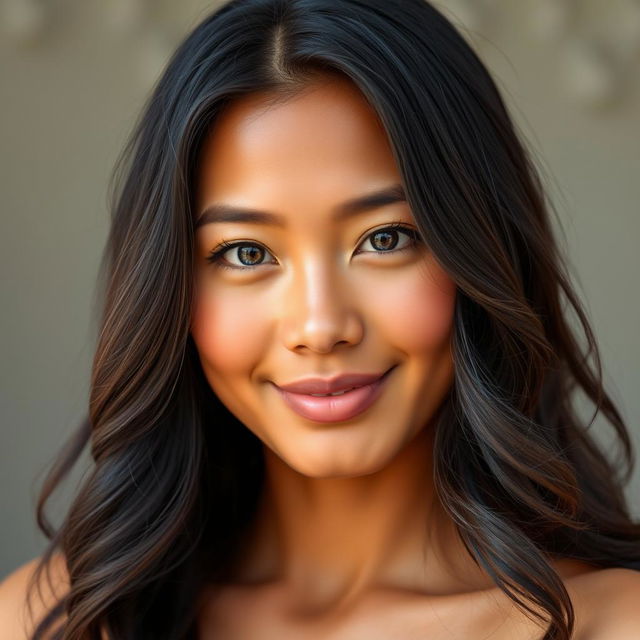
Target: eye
250 254
385 240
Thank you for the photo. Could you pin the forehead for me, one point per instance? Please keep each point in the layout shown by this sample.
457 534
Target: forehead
325 137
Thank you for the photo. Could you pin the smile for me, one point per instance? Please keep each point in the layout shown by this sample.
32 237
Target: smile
337 407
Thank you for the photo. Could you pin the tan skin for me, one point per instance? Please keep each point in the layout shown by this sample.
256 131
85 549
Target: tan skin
350 541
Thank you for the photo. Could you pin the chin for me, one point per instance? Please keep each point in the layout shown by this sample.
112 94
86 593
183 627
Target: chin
338 461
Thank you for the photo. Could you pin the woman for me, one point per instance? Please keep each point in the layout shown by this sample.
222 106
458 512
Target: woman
328 198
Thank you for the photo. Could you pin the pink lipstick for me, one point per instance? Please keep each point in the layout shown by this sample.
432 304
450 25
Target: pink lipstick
334 408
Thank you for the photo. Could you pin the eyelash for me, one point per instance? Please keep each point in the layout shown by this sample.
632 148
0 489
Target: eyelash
215 256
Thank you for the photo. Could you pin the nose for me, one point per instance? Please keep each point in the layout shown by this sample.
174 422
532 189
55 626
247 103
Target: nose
318 311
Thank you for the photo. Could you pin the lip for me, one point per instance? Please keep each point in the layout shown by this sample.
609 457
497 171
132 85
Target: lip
341 382
334 408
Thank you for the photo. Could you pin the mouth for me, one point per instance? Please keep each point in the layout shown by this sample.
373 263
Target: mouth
336 407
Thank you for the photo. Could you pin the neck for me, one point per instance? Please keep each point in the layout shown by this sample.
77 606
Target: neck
331 540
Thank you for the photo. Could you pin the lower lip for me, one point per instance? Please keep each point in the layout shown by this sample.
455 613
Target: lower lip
335 408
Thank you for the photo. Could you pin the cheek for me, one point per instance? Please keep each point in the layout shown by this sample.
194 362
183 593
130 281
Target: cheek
419 309
229 331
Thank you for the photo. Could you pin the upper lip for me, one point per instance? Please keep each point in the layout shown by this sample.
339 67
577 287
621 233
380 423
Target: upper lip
340 382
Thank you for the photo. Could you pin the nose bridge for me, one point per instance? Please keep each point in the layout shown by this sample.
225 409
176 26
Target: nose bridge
319 311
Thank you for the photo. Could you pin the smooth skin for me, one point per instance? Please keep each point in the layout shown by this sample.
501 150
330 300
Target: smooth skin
350 541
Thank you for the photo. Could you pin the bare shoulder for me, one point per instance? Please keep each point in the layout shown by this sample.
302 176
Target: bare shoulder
607 604
16 621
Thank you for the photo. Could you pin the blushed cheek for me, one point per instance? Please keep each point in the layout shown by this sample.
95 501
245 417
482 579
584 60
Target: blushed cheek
229 331
419 310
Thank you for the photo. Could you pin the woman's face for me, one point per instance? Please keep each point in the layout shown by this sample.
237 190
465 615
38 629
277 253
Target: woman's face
315 288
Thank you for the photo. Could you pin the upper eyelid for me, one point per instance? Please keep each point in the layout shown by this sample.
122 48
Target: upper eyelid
401 226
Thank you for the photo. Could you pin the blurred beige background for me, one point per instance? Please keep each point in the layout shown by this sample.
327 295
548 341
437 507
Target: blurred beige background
73 76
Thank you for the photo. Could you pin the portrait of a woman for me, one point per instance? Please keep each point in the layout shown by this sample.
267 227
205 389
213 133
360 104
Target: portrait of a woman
331 397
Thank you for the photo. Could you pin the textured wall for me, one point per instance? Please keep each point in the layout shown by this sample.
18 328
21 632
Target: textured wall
72 82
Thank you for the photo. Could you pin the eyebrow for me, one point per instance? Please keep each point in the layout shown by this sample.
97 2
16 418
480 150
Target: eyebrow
232 213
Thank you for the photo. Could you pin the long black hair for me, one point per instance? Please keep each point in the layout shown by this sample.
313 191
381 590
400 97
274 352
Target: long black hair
176 476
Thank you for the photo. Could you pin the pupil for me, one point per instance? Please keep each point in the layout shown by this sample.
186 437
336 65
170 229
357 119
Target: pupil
247 252
390 241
